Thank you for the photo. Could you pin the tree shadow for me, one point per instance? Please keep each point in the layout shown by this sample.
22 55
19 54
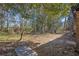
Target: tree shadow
8 48
63 46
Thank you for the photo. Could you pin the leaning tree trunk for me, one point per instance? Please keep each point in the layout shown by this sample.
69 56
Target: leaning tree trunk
21 36
21 31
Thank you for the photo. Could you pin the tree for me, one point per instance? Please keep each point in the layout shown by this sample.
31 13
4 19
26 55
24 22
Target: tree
43 17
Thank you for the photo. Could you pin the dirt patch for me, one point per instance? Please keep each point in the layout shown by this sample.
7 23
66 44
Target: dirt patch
44 45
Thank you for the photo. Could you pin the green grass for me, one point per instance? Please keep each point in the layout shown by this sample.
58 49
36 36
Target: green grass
8 37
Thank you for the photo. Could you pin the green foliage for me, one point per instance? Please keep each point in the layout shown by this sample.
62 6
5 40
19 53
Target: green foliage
43 16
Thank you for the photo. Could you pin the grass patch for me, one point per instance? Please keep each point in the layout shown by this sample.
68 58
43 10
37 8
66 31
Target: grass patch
8 37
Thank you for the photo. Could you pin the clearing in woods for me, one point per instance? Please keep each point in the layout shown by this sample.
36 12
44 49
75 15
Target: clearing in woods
47 44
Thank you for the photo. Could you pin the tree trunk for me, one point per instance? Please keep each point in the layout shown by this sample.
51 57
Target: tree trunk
1 25
65 24
7 25
21 36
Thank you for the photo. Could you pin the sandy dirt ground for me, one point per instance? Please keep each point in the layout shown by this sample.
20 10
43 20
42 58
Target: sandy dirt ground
44 38
44 45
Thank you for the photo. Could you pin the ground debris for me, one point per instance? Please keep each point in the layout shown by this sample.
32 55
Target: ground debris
63 46
25 51
18 49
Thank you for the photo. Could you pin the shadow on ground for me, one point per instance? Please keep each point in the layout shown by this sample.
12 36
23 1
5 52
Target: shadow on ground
9 48
63 46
